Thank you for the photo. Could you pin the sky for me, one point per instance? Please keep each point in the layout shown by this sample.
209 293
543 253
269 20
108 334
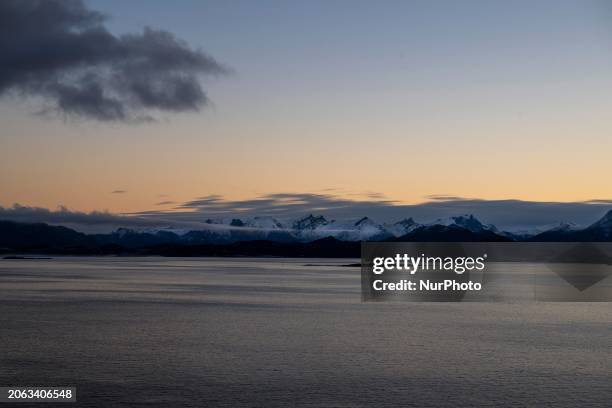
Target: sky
395 101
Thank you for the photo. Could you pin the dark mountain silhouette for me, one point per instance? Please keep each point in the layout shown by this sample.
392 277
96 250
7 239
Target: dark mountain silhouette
555 236
204 237
322 248
16 237
451 233
134 239
33 236
600 231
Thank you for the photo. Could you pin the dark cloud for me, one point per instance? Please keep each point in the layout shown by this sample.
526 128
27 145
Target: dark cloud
281 204
61 51
67 217
95 221
118 192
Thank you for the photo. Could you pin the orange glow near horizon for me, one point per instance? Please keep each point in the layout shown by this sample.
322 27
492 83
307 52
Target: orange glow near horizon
454 103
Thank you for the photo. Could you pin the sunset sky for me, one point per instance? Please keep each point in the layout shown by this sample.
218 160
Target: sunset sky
396 100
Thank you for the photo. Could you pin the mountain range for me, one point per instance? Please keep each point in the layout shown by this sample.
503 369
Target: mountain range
243 237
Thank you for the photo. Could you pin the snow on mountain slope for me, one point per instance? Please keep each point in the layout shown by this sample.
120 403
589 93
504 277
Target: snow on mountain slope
402 227
265 223
360 230
467 221
368 229
310 223
312 227
564 226
600 230
604 224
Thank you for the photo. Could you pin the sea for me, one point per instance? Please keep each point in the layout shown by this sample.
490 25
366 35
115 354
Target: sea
254 332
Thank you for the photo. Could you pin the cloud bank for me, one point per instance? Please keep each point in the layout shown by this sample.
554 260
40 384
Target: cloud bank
506 214
61 51
511 215
76 219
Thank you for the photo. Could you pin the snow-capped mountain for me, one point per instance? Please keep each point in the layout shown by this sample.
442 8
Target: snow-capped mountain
367 229
331 237
604 224
310 223
599 231
236 222
457 228
552 231
310 228
264 223
467 221
363 229
314 227
564 226
402 227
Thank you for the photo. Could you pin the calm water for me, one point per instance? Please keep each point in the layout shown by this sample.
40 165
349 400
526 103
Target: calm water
285 332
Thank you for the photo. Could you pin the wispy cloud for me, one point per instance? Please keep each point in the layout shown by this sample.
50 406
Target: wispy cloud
118 192
445 197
